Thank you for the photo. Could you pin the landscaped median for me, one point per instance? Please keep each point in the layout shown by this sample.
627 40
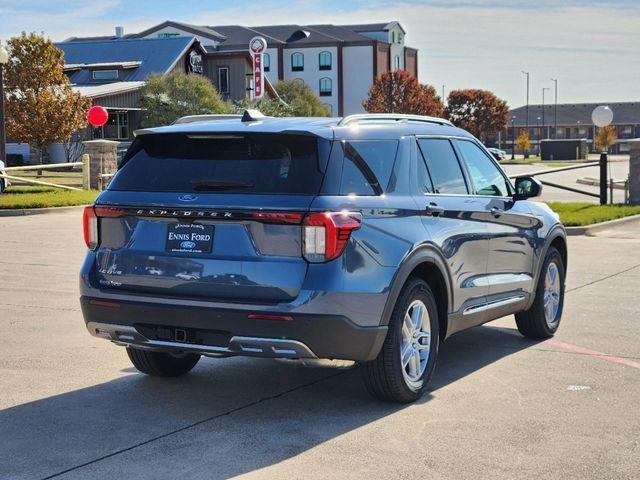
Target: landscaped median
582 213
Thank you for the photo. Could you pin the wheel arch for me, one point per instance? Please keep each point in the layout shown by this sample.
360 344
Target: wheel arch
427 263
557 238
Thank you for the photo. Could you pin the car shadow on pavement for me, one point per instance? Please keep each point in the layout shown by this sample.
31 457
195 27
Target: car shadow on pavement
228 417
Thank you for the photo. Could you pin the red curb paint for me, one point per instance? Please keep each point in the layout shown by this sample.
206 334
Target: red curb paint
575 348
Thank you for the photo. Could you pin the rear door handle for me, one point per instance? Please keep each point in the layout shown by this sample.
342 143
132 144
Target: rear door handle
496 212
434 209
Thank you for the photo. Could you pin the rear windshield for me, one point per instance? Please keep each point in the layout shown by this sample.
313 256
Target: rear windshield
257 163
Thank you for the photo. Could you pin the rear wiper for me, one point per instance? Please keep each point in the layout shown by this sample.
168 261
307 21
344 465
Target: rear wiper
211 185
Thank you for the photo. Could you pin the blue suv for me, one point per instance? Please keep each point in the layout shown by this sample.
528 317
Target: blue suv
370 238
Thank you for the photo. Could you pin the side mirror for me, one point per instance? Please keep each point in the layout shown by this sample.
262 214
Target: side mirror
527 187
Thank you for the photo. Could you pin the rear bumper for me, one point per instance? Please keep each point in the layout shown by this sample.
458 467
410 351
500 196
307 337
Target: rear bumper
218 331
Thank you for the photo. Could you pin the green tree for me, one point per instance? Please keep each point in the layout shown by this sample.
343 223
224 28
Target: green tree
477 111
267 106
299 96
41 107
400 92
606 137
165 98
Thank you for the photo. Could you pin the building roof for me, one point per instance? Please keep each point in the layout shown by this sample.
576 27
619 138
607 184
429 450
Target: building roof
202 31
92 91
154 55
624 113
233 37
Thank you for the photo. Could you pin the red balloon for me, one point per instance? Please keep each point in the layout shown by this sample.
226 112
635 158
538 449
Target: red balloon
97 116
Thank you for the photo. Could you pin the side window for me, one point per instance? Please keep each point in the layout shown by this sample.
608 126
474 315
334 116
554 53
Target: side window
486 177
424 180
444 168
367 166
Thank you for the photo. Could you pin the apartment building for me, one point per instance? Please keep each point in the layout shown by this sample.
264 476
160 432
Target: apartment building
338 62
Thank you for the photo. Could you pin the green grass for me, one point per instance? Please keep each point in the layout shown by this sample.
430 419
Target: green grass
579 214
39 197
73 178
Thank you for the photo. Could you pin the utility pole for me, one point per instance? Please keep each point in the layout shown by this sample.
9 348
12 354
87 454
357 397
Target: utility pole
443 100
555 109
544 124
526 154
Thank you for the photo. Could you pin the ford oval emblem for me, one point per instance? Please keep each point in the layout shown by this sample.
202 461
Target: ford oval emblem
187 245
187 198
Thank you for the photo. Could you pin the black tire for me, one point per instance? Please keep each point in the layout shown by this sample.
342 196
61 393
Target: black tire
384 377
161 364
532 323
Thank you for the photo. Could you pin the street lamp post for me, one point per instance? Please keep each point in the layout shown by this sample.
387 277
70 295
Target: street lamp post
526 155
539 133
555 109
543 123
4 59
513 138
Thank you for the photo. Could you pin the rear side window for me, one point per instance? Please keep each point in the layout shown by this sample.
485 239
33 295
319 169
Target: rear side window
257 164
444 168
367 166
486 177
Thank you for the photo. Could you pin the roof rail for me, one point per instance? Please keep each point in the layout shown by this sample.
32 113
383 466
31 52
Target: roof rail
391 117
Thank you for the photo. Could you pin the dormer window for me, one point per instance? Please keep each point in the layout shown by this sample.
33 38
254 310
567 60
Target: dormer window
104 75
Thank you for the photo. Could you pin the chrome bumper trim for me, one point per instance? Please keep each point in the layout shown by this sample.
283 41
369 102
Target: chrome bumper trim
238 345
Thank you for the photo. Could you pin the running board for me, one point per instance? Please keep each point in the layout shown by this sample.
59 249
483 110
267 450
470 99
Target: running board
238 345
491 305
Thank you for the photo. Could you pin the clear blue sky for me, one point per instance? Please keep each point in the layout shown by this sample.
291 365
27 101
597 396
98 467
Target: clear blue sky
592 47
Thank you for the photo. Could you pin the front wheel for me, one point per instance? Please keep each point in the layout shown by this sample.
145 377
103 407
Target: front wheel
543 318
407 359
161 364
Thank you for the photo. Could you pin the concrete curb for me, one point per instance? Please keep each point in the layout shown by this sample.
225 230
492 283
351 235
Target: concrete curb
600 227
20 212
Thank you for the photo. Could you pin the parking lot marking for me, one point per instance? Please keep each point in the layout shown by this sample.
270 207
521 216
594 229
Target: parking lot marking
593 353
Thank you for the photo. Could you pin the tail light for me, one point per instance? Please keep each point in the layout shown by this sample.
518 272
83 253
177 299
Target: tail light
326 234
90 227
90 222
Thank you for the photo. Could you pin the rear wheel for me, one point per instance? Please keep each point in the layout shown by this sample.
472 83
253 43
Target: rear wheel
161 364
543 318
406 362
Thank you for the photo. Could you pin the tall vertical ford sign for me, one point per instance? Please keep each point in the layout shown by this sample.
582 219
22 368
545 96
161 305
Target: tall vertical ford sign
257 47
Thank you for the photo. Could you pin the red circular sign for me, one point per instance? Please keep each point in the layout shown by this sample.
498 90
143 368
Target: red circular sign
97 116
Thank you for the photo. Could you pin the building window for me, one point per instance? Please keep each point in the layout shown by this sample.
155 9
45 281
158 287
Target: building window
328 107
223 79
168 34
116 128
266 62
396 62
297 62
325 60
104 75
325 87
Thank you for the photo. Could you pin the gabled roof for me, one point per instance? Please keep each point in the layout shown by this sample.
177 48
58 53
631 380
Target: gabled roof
153 55
91 91
375 27
202 31
569 114
237 36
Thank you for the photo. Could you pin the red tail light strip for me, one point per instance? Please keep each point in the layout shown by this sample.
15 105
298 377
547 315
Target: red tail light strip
278 217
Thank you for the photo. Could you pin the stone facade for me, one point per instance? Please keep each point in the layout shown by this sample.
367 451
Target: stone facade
103 158
634 171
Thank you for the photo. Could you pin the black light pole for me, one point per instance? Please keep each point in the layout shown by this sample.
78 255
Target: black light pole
526 154
544 124
4 59
513 138
555 109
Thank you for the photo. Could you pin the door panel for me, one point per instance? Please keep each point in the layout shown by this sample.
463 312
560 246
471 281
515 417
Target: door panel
454 223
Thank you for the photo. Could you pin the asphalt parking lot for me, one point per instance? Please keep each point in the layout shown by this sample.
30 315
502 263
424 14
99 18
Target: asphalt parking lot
72 406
